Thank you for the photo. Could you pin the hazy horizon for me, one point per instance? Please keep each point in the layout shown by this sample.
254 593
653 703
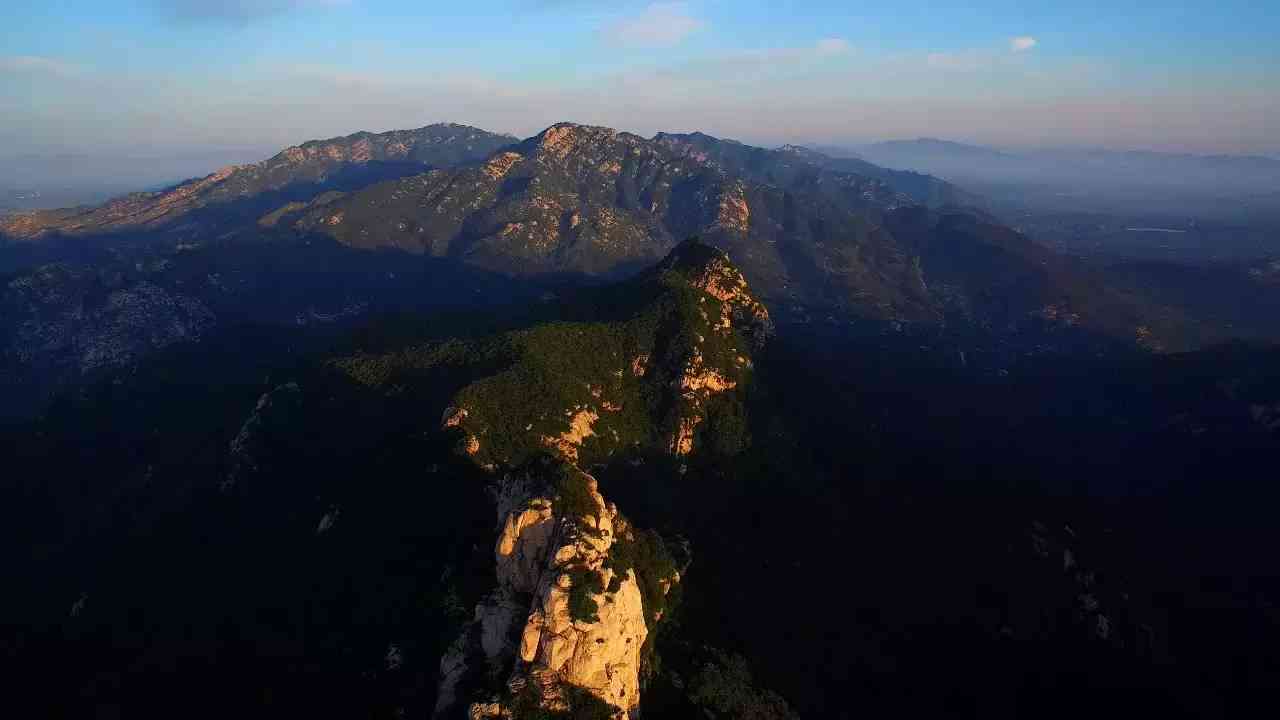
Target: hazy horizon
50 178
195 75
146 152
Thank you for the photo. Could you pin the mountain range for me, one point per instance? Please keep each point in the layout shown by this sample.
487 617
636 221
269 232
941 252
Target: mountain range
589 425
447 215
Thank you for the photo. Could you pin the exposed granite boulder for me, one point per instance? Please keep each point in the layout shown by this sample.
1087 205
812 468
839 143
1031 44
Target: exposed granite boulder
542 554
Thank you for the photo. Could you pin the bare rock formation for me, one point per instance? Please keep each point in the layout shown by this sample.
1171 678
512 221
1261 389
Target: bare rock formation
567 622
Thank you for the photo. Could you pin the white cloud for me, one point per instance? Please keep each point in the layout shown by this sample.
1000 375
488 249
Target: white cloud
661 24
1022 43
36 64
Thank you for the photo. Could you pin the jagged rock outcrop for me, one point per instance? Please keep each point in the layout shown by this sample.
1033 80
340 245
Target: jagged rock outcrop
600 654
715 274
578 587
577 612
522 544
645 381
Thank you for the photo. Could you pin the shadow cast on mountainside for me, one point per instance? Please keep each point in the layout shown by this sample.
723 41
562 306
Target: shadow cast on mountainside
343 522
72 322
346 179
197 224
18 254
917 484
1231 295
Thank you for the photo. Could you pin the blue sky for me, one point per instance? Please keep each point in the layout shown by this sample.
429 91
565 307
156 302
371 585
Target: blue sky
166 75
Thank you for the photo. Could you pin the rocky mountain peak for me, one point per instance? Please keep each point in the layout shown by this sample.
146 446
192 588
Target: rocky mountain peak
365 147
710 270
805 154
562 138
584 148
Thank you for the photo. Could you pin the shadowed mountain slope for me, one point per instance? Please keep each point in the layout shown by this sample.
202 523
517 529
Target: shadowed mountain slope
809 237
334 229
430 517
295 173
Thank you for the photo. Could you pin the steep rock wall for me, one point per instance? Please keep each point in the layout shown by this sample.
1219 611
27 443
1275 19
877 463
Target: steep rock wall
533 627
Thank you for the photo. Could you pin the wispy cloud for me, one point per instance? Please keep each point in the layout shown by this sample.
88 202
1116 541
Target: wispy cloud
36 64
1022 43
661 24
238 11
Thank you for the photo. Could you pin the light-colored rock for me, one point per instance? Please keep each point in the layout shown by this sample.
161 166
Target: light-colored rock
483 711
535 551
709 380
602 657
581 427
522 545
734 214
